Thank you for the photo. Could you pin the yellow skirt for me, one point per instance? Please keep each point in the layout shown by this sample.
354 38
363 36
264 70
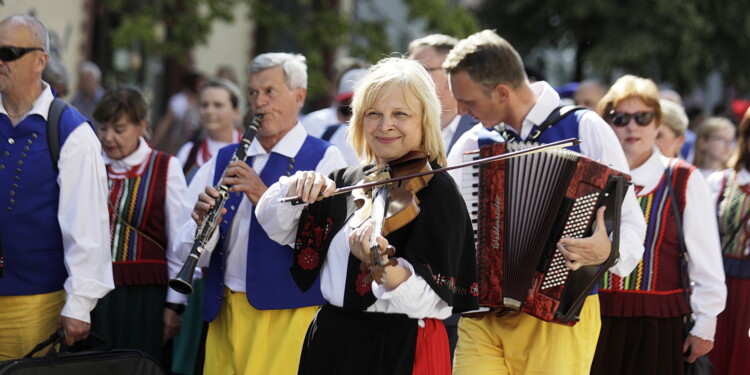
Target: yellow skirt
518 343
244 340
26 321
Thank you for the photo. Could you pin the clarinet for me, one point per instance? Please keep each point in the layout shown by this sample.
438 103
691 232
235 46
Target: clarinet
182 283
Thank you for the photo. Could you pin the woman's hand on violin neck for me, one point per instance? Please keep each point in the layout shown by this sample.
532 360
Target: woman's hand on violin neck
310 185
240 177
389 273
206 200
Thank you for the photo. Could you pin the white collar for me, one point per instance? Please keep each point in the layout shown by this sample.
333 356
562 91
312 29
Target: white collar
41 104
138 157
289 145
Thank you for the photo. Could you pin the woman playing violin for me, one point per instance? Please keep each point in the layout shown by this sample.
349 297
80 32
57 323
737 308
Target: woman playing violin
380 320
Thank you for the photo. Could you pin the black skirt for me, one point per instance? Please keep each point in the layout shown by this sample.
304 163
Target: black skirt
639 345
357 342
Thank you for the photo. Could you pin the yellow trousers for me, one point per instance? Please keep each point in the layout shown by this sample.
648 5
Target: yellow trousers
26 321
518 343
243 340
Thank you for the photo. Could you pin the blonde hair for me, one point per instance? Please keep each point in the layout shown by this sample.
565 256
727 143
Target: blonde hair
705 130
627 87
394 75
673 116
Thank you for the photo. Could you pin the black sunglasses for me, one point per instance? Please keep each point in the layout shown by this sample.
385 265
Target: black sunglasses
9 53
623 118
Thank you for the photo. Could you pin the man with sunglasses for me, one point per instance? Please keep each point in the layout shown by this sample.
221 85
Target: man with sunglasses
54 225
489 83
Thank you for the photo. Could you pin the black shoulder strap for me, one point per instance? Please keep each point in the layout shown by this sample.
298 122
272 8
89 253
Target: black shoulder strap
330 131
684 257
53 129
556 116
192 156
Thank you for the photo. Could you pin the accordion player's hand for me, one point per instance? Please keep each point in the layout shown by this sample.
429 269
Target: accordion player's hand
594 250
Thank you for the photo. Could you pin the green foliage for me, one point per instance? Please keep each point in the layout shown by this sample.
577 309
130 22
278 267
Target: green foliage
166 27
678 42
440 16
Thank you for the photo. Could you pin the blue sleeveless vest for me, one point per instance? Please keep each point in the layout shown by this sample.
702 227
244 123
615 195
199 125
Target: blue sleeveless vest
269 284
29 199
564 129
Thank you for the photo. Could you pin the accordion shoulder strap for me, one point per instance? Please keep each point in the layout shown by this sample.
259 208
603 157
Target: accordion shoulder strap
557 115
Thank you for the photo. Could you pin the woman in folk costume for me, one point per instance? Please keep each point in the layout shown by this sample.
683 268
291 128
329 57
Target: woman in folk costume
731 190
642 314
219 109
146 191
389 325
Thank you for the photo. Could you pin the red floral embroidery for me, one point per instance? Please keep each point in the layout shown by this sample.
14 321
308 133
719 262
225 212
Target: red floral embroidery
474 289
308 259
362 286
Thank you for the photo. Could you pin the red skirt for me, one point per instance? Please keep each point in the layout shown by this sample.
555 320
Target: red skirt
731 353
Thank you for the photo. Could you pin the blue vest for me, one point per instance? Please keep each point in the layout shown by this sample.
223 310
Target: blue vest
29 195
563 129
269 284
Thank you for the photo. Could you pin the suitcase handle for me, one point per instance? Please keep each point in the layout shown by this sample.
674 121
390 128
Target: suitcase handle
58 337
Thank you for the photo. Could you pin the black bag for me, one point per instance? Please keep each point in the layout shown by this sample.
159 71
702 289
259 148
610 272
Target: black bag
88 362
702 364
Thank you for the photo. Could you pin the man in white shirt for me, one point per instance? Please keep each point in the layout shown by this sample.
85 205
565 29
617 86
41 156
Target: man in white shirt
55 225
431 51
257 315
489 82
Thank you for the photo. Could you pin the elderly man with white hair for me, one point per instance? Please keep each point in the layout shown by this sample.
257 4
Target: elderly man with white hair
257 315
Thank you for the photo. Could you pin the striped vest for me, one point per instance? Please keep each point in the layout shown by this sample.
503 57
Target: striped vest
137 222
654 288
733 207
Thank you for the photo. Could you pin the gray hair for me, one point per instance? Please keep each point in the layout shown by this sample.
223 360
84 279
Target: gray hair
229 86
440 42
36 27
92 68
55 73
293 65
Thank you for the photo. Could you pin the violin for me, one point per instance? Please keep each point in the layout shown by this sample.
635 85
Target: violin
390 206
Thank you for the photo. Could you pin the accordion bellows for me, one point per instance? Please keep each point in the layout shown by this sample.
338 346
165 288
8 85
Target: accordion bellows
525 205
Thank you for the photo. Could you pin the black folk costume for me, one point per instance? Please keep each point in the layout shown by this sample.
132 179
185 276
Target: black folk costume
361 330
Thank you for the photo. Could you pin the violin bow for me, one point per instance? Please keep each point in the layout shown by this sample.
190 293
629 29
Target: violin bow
531 150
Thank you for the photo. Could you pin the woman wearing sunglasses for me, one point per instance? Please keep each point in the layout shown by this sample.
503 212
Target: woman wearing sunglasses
642 314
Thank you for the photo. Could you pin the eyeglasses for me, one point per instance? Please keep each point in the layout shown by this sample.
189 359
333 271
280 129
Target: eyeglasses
10 53
623 118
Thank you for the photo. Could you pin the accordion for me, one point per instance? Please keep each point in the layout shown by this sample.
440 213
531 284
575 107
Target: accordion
521 207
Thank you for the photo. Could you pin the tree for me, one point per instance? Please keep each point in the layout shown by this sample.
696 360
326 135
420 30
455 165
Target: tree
676 42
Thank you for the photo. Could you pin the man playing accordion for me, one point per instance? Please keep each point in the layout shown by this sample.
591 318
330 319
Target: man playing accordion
489 83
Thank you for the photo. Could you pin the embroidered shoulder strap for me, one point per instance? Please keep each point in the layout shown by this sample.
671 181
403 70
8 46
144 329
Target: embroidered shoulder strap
557 115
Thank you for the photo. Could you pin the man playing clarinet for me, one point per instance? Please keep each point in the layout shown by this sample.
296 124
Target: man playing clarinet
489 83
258 317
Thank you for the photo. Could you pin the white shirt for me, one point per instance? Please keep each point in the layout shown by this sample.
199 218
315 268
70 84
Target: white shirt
212 145
83 189
414 297
235 273
316 122
340 139
448 132
176 188
598 142
701 234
